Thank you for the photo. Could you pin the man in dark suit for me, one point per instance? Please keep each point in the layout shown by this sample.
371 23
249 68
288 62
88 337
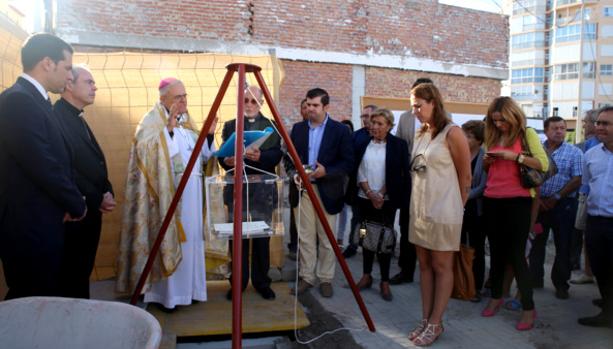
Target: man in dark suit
37 189
91 175
264 158
325 146
359 138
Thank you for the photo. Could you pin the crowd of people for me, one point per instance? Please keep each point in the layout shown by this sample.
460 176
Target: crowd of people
451 185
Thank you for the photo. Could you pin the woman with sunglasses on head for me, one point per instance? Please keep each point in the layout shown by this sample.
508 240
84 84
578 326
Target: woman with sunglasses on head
507 204
441 183
379 185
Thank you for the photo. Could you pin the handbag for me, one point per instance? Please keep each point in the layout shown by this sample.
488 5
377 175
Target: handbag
376 237
530 177
581 216
463 277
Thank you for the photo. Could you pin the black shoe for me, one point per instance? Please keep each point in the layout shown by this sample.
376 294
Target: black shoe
164 309
476 298
538 284
400 278
229 294
267 293
599 302
600 320
350 251
562 293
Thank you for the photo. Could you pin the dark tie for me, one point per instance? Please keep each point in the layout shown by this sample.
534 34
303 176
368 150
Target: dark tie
49 102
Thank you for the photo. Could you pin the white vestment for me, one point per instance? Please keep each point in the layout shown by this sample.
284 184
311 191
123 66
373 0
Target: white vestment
188 282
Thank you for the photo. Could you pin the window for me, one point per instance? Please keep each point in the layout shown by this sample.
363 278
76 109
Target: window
608 11
522 92
606 69
519 76
573 32
566 2
566 71
527 40
589 69
570 71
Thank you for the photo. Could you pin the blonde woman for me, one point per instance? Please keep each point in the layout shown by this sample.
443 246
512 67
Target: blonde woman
507 205
441 183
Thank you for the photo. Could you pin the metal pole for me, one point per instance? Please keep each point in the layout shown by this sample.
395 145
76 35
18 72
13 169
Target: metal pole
175 200
237 243
311 192
579 125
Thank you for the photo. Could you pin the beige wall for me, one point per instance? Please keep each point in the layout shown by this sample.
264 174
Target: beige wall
127 89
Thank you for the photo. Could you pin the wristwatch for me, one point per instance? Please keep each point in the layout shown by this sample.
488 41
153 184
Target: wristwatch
520 158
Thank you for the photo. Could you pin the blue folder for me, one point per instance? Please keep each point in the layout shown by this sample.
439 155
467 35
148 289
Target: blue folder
250 138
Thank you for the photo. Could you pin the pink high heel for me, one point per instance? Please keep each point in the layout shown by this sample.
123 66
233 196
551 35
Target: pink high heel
487 312
524 326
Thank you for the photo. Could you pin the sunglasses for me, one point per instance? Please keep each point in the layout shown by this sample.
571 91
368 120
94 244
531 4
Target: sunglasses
418 164
252 101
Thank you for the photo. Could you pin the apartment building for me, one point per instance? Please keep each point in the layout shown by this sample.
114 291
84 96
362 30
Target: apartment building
554 70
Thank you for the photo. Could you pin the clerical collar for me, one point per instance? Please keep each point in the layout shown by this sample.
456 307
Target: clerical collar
252 120
36 84
71 108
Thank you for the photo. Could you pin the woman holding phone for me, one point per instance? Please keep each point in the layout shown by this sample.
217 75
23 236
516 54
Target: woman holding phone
507 204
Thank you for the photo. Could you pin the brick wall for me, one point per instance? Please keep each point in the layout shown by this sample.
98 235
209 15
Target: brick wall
422 29
302 76
382 82
210 19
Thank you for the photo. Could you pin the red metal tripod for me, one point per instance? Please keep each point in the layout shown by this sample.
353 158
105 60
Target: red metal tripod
242 69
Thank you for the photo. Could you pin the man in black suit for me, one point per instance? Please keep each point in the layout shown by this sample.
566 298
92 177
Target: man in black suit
325 146
37 189
91 176
264 158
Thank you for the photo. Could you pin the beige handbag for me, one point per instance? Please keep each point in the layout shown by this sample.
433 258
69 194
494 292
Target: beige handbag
581 212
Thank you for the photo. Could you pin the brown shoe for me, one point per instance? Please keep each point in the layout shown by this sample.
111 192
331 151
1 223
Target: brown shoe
386 293
301 288
325 288
365 282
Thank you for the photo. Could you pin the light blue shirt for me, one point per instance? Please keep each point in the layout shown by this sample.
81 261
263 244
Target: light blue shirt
598 174
569 160
316 134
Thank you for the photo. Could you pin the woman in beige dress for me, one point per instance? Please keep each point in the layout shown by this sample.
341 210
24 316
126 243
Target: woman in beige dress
441 183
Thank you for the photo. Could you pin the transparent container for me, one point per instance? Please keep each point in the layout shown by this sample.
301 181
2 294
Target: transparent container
262 212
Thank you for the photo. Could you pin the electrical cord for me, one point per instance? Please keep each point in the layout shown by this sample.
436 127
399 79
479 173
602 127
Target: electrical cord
326 333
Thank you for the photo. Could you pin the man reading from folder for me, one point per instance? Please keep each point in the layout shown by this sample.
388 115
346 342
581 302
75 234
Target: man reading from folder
265 158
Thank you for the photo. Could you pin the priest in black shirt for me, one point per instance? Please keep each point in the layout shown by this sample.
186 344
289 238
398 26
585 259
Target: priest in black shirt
89 166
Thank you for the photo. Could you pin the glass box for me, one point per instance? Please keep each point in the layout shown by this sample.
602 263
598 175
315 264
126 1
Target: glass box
262 212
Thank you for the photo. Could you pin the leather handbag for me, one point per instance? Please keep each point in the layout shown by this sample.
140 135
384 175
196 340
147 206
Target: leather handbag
530 177
463 277
376 237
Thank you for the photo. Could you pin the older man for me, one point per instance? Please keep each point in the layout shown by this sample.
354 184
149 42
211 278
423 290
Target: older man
598 174
558 207
359 137
163 143
91 175
37 188
265 158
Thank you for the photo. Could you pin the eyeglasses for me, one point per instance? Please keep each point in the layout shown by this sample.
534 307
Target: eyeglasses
602 123
252 101
180 97
418 164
